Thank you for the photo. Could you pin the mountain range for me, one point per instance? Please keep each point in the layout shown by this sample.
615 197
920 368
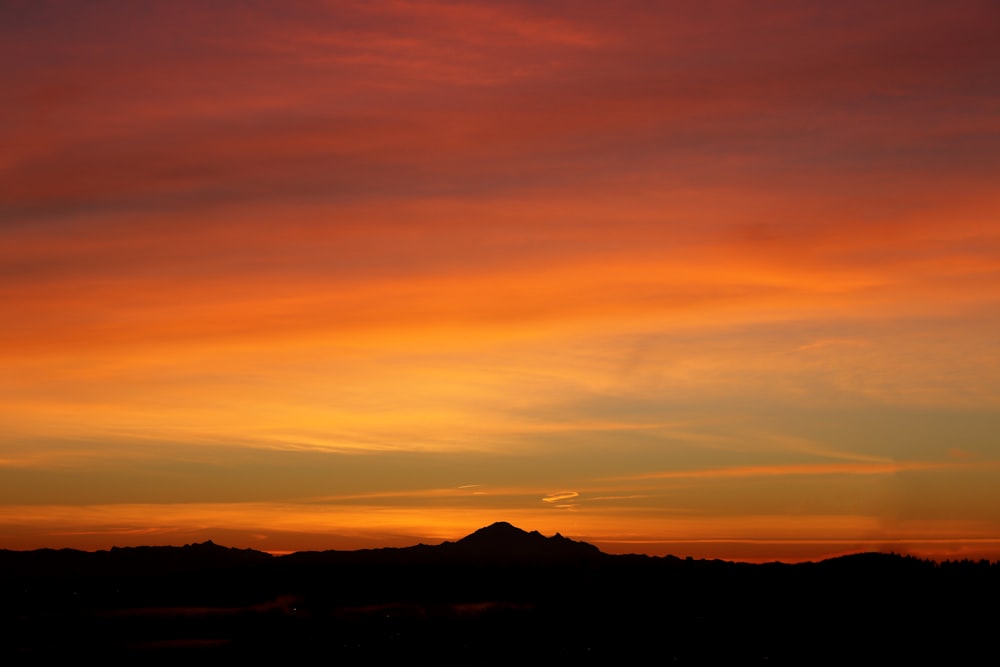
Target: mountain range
492 597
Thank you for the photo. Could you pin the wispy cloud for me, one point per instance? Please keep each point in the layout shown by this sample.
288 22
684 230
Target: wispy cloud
810 469
560 496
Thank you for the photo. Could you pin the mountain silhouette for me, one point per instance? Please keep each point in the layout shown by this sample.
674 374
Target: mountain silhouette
494 596
502 542
497 544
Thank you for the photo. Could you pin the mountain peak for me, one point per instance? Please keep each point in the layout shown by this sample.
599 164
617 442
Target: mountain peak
505 542
499 528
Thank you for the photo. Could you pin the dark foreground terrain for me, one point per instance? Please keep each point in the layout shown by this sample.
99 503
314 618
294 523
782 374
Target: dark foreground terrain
498 596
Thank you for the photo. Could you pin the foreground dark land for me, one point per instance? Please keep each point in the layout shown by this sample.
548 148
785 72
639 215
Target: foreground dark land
494 597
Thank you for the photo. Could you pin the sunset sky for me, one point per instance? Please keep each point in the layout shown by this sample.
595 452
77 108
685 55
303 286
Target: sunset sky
714 278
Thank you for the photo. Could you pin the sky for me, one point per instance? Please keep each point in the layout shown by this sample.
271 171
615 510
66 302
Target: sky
716 279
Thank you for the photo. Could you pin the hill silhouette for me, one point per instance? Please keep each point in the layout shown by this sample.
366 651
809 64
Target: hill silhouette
497 595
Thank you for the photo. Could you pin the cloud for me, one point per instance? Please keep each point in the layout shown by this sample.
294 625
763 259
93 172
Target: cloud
811 469
559 496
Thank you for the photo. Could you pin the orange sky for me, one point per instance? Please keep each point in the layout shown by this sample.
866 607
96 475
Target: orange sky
717 279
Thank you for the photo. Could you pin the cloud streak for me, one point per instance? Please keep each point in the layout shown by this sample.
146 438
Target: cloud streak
811 469
560 496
